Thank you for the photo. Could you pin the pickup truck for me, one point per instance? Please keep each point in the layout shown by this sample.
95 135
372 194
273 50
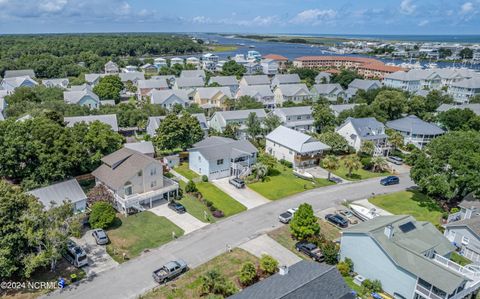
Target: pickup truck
311 250
287 216
169 271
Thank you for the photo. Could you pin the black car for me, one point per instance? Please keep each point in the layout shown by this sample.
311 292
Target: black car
337 220
238 183
311 250
390 180
177 207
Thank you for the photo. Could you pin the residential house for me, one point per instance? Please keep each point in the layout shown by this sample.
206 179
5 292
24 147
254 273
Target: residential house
3 103
60 83
296 118
330 91
463 228
415 131
304 279
190 84
169 78
171 161
19 73
136 180
143 147
226 81
149 68
337 109
154 122
358 130
193 61
269 67
193 73
133 77
323 78
59 193
168 98
463 90
108 119
410 258
445 107
220 157
160 62
93 79
83 96
296 147
144 87
111 68
130 69
281 60
210 61
176 60
361 84
254 80
296 93
253 68
261 93
11 83
253 55
212 97
220 119
285 79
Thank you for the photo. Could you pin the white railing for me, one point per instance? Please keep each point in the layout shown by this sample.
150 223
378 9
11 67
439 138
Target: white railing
454 217
456 267
426 292
464 293
134 199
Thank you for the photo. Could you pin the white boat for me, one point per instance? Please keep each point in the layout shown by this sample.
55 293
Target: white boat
302 174
363 213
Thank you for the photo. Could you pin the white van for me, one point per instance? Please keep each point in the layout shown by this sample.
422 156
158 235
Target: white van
75 254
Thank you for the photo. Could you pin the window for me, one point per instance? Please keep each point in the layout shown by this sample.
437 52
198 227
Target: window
128 189
465 240
299 117
153 184
220 162
140 173
153 171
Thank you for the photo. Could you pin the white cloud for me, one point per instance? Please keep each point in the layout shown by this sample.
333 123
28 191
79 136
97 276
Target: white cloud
467 7
256 21
423 23
407 7
314 16
202 20
51 6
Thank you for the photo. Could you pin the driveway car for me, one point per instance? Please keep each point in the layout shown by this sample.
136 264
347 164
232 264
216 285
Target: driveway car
337 220
390 180
238 183
177 207
169 271
287 216
100 236
311 250
348 215
395 160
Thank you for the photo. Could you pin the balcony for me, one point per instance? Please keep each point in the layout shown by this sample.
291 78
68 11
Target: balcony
426 292
454 217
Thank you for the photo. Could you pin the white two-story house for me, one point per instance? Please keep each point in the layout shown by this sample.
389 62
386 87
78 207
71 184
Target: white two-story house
296 118
358 130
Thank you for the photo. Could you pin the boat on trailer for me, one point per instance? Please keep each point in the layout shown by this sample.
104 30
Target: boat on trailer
363 213
303 174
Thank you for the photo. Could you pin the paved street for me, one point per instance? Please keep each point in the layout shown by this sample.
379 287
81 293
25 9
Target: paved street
245 196
133 278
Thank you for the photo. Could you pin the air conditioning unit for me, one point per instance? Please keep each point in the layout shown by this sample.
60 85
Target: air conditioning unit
358 280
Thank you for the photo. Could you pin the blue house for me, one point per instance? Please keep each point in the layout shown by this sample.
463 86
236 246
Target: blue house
220 157
83 96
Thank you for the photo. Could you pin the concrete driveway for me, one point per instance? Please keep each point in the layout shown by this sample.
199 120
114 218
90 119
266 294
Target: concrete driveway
98 258
185 221
322 173
245 196
266 245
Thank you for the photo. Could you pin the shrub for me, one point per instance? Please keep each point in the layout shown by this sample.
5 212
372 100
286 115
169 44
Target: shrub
286 163
330 252
213 282
191 187
367 163
372 286
76 225
204 178
207 202
212 208
268 264
343 269
218 214
349 262
102 215
248 274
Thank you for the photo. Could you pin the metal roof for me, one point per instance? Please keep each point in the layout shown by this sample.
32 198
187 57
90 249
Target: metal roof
220 147
143 147
59 192
297 141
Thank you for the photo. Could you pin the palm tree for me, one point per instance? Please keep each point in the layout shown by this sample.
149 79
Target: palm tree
367 147
330 163
260 170
395 139
379 164
352 163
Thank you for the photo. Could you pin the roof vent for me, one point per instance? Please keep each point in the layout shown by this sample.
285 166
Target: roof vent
388 231
283 270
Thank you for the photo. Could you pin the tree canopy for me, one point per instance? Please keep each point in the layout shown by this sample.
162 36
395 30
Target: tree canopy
232 68
109 88
178 132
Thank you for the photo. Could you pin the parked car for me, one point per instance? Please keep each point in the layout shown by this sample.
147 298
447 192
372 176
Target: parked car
238 183
177 207
311 250
169 271
100 236
390 180
337 220
349 215
287 216
395 160
75 254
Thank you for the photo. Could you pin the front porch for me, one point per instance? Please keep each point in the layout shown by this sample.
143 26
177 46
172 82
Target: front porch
306 160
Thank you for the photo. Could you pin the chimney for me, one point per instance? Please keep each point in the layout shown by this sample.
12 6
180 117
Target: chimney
388 231
283 270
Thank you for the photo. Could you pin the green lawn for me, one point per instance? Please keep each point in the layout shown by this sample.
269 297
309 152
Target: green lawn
414 203
135 233
349 281
223 48
185 171
220 199
459 259
189 284
360 174
196 209
284 183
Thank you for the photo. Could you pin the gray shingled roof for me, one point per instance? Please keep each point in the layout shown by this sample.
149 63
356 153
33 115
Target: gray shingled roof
407 249
160 96
293 89
473 83
224 80
74 97
256 80
286 79
210 92
255 90
109 119
328 88
216 147
60 82
304 280
295 140
340 108
474 107
473 224
239 115
192 73
364 84
59 192
185 82
19 73
152 84
143 147
293 111
368 127
132 76
414 125
90 78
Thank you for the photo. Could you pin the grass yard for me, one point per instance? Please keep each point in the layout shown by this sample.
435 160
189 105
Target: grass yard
189 284
138 232
284 183
223 48
185 171
349 281
459 259
220 199
360 174
196 209
414 203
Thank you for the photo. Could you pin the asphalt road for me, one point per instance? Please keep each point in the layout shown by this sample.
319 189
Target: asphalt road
133 278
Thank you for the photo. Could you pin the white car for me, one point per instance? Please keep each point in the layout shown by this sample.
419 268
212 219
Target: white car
287 216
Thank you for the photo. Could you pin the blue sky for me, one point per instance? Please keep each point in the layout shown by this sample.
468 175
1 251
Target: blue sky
248 16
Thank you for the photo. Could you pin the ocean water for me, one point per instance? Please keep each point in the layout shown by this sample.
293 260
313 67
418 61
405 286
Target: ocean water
408 38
